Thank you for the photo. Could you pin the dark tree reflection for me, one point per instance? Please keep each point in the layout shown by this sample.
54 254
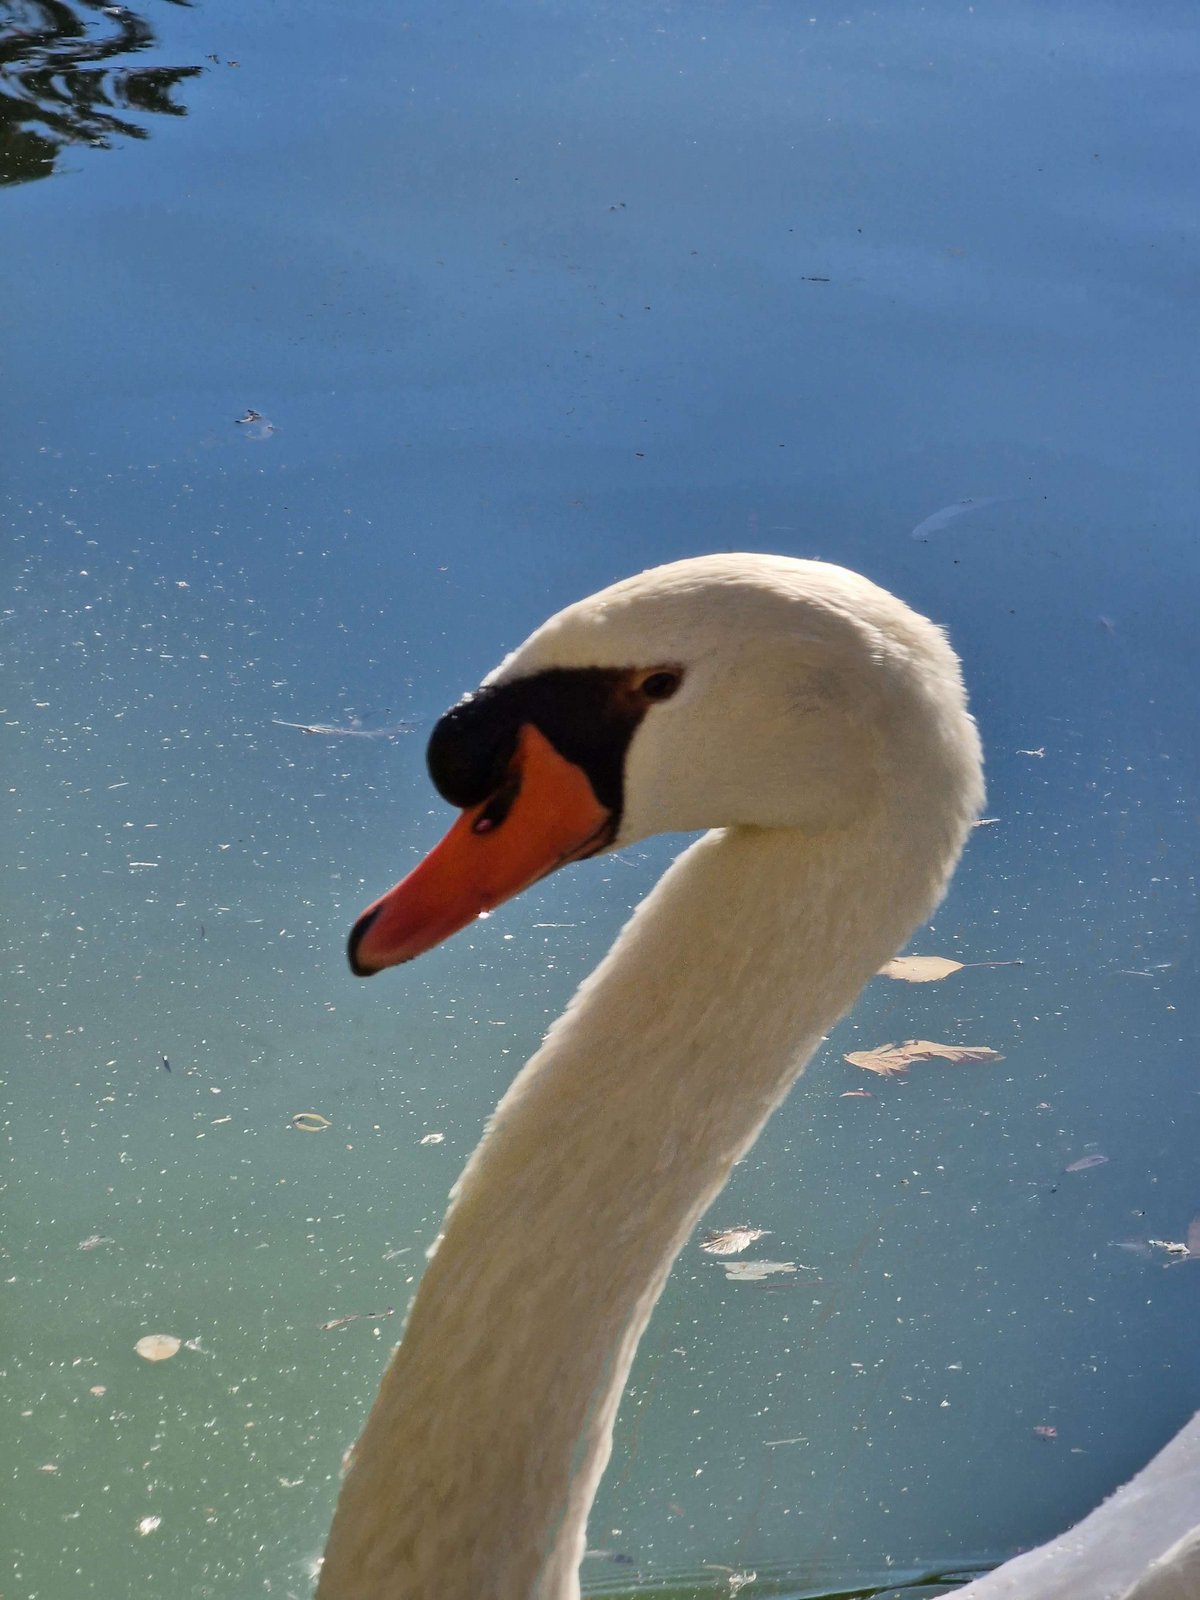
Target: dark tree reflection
63 80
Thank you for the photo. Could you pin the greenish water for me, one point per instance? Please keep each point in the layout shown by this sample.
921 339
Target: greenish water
527 298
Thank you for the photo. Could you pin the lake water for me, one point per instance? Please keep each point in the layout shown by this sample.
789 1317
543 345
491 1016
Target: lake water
420 323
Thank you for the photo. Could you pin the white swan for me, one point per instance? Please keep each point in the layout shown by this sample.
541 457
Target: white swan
820 727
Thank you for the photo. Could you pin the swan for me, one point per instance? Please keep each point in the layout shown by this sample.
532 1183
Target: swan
819 728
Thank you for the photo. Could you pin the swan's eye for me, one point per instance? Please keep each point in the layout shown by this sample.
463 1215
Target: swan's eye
661 685
498 807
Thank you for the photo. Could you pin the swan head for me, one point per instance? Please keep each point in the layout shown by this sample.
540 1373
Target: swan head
725 691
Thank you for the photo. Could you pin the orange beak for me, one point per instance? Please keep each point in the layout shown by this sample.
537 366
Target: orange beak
554 817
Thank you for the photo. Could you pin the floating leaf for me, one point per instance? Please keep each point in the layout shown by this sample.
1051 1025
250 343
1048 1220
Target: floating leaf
890 1060
929 969
158 1346
731 1241
1084 1162
755 1271
920 969
310 1122
1171 1247
955 1053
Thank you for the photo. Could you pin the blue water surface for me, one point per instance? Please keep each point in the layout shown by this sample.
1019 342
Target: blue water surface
329 372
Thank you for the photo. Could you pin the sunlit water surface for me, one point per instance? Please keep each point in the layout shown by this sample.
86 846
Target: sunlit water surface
512 301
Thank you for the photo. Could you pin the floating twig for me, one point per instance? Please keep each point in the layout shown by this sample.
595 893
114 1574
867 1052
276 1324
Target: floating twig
357 1316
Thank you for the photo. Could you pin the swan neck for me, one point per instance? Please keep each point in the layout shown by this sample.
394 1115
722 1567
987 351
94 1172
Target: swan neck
478 1464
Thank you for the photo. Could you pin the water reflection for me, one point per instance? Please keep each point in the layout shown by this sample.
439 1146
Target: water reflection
61 81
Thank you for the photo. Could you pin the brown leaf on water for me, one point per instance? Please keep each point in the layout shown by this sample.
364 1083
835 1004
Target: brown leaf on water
731 1241
956 1053
888 1060
892 1060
